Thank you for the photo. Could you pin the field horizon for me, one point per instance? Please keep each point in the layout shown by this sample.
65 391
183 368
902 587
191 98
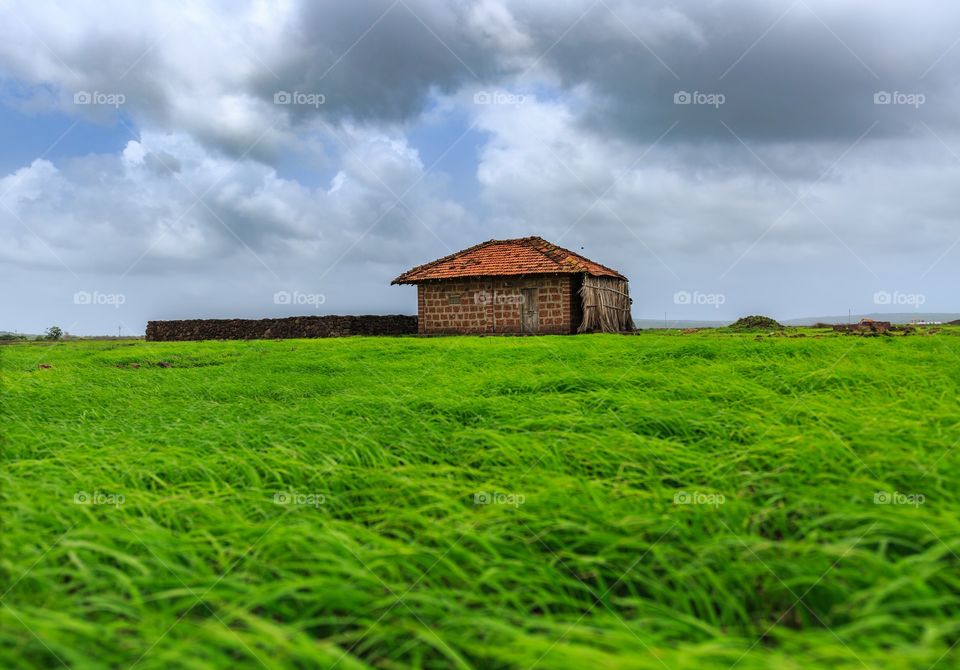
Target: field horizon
657 324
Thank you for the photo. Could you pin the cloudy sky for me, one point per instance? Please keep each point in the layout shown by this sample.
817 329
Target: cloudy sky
182 159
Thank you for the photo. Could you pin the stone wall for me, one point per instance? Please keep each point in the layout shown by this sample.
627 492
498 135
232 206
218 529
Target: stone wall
291 327
864 327
494 305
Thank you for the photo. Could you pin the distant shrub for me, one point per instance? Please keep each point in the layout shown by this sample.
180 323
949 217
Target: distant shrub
756 322
53 333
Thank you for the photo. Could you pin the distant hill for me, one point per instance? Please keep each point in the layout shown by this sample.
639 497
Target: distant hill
660 323
894 317
6 334
897 317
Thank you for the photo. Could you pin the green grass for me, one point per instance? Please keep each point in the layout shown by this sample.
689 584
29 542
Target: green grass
393 565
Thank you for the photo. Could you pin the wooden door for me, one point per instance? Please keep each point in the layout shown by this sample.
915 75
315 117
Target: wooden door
529 311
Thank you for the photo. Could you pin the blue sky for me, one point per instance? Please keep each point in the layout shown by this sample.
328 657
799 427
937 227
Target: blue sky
788 158
27 136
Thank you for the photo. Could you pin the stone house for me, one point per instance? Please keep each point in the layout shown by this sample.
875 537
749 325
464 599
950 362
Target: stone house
519 286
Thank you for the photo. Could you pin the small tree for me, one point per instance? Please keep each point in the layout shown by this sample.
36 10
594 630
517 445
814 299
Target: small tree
54 333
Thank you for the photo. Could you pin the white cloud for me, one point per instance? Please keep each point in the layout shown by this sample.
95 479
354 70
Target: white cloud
106 212
543 168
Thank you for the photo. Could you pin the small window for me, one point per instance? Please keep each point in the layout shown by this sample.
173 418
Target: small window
453 299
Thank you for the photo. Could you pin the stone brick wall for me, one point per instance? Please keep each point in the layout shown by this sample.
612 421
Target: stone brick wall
291 327
453 307
493 305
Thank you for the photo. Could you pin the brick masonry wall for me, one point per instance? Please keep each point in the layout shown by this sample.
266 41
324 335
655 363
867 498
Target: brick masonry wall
291 327
494 305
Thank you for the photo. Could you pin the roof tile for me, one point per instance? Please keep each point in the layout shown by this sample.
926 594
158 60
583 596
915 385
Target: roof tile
502 258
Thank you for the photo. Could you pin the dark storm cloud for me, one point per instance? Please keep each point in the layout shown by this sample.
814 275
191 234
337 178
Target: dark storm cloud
782 71
786 70
375 61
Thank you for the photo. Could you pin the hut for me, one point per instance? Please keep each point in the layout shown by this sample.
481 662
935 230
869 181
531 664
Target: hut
519 286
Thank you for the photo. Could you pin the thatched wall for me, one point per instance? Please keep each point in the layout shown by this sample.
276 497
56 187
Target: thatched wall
606 305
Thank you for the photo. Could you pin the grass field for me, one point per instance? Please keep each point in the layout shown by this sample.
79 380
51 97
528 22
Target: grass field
664 500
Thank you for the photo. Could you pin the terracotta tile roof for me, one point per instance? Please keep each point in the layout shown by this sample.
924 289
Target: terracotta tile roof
501 258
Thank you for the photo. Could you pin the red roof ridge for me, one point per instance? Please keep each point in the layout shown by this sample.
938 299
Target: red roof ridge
572 254
560 260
